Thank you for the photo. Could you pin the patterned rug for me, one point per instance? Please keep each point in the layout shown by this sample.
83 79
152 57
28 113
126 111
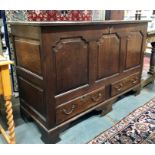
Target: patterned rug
137 128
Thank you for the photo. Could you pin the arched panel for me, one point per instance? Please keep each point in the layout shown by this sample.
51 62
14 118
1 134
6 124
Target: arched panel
108 55
71 60
133 49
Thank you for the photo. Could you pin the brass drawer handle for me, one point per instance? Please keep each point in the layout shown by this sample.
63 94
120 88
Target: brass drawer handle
69 112
96 98
119 87
134 81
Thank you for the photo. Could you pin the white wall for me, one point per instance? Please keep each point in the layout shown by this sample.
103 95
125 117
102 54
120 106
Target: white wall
145 15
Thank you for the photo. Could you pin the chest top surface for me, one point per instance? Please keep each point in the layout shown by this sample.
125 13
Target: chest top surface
71 23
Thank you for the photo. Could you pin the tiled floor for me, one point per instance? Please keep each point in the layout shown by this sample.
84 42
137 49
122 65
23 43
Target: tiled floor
90 125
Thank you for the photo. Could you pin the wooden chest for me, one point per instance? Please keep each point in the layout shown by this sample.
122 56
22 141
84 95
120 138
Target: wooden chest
68 69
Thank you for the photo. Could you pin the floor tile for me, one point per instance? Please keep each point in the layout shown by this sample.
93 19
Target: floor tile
85 130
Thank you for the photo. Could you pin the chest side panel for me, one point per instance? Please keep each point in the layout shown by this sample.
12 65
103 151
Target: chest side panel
27 47
28 54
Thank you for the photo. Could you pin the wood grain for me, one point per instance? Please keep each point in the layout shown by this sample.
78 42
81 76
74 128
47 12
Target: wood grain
63 67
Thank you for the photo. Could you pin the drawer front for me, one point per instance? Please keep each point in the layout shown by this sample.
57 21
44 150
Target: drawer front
79 105
125 84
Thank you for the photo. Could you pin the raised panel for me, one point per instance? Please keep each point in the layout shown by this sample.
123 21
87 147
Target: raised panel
32 95
71 60
28 54
108 55
133 49
26 31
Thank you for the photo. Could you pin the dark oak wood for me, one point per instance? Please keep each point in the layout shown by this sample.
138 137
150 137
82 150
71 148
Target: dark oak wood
150 77
152 60
79 105
71 60
107 107
134 45
111 53
124 84
68 69
30 49
151 39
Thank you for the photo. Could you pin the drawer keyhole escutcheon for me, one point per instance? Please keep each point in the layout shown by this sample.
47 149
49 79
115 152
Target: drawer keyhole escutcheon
70 111
83 98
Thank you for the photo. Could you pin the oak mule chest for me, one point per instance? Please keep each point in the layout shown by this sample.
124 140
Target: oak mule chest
67 69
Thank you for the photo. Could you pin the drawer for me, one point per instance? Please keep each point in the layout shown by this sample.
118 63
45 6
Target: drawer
74 107
124 84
